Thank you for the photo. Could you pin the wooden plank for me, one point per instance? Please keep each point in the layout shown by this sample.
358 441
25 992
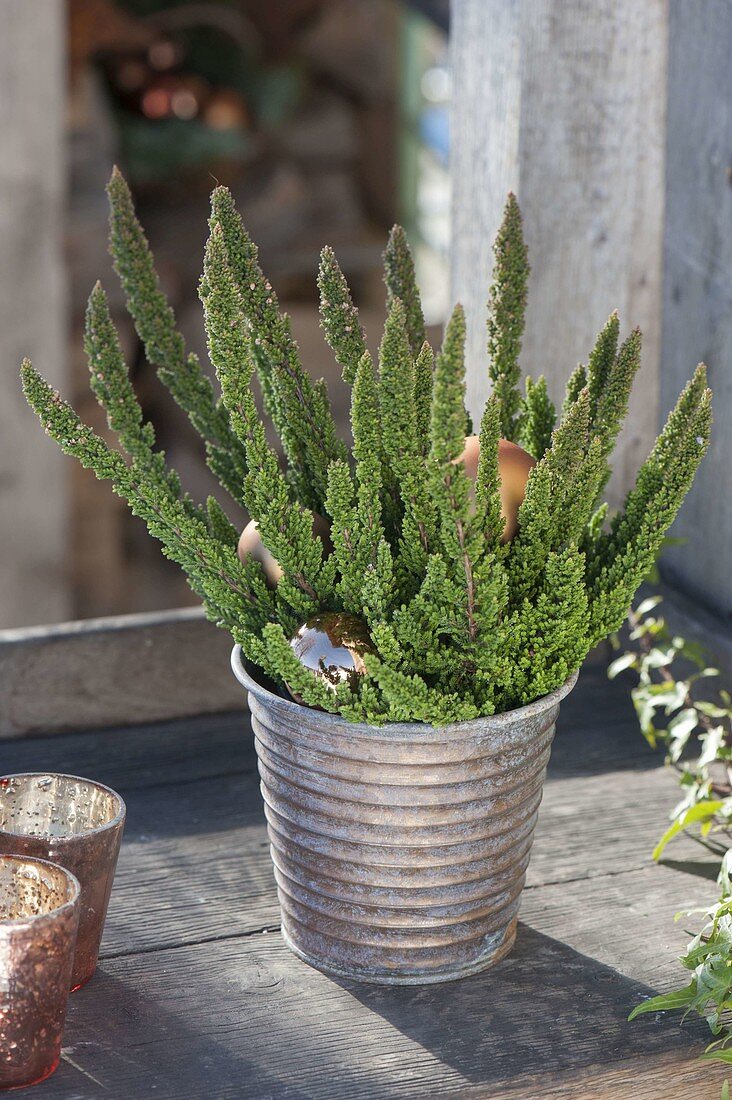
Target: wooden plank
668 1077
111 672
163 752
564 104
485 49
243 1018
142 756
34 491
597 731
616 916
697 318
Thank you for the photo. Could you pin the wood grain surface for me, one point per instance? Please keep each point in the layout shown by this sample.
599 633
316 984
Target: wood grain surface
197 997
697 306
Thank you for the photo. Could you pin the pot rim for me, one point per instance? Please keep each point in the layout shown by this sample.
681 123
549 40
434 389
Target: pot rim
492 723
38 920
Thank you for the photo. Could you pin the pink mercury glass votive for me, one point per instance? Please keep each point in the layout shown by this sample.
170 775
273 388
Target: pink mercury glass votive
39 916
78 824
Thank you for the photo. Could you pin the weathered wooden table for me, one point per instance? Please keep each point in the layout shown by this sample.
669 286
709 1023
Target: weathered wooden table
196 995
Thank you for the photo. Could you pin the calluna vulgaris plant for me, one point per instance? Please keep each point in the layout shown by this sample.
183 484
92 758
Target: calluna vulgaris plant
462 624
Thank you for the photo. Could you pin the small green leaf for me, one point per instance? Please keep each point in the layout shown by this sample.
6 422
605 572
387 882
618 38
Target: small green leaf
725 872
695 653
712 742
651 735
679 731
658 658
702 811
711 709
666 1002
647 605
627 660
664 692
683 723
724 1055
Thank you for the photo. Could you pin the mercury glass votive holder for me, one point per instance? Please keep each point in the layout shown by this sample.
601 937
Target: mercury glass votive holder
78 824
39 916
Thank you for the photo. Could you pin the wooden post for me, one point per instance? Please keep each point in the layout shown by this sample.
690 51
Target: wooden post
697 305
564 104
611 122
33 475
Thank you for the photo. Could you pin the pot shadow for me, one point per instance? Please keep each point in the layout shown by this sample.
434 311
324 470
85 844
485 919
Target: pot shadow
545 1009
597 731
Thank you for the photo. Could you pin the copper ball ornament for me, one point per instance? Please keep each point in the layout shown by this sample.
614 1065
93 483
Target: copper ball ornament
251 546
514 466
333 647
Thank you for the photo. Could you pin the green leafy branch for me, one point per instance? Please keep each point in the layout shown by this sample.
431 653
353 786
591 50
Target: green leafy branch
709 958
671 672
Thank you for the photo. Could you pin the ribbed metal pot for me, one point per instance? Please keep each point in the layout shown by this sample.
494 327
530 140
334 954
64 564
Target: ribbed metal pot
399 851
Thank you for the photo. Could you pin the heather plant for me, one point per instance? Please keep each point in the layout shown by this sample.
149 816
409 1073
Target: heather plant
462 623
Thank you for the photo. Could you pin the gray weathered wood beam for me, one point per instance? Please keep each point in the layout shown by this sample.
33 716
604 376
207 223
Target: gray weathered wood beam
33 478
697 301
111 672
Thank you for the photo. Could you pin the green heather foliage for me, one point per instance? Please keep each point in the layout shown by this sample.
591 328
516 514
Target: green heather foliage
507 317
462 624
538 418
401 283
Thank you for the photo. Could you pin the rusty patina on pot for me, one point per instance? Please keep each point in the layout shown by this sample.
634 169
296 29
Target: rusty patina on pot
400 851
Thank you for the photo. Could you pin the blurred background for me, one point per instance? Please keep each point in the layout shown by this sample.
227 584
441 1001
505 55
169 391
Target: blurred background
326 118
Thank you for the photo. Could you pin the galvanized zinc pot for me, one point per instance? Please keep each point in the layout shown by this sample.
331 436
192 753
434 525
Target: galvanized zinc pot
399 851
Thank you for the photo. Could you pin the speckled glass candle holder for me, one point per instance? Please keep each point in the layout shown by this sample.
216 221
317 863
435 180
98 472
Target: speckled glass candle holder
39 915
78 824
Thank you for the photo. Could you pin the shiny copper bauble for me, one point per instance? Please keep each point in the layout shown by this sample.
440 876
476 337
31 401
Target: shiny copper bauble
251 546
514 466
333 647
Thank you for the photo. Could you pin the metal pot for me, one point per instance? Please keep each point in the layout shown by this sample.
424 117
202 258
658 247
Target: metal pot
399 851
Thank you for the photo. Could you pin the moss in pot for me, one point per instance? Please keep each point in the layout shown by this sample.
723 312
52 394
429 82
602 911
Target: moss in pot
401 800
